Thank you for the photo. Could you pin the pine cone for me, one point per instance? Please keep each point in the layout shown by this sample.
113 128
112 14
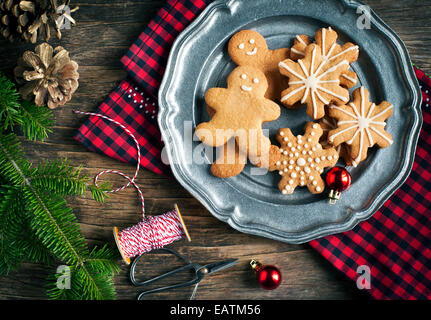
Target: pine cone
47 75
32 19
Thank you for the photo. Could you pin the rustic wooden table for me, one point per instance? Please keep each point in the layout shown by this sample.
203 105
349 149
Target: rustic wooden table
106 29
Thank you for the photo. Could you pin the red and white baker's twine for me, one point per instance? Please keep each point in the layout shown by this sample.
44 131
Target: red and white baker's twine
152 232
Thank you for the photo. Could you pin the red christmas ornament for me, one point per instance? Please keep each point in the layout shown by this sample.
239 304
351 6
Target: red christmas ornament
268 277
338 179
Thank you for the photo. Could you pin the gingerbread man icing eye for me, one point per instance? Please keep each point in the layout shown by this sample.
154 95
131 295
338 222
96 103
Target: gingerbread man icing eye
243 76
256 80
252 41
241 46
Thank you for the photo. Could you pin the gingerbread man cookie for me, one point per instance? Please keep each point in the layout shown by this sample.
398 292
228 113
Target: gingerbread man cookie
240 111
231 161
303 159
361 124
314 81
326 39
249 47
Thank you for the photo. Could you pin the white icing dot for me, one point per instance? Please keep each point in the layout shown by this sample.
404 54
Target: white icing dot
256 80
309 140
280 173
329 158
293 175
314 148
284 191
318 189
310 152
281 150
311 178
285 153
293 149
302 183
299 137
278 163
286 139
291 181
289 144
297 168
281 133
290 167
302 173
291 155
296 154
304 152
301 162
318 169
315 126
241 46
299 147
309 159
285 170
312 165
306 145
317 160
307 170
284 162
252 41
322 158
291 162
314 183
243 76
288 188
312 133
130 90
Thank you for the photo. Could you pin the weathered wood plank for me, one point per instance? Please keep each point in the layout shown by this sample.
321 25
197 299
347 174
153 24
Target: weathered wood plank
105 30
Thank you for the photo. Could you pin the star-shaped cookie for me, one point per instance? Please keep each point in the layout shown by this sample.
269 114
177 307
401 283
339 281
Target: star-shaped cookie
361 124
314 81
326 39
303 159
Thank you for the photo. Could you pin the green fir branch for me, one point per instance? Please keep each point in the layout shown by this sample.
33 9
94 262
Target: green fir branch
36 121
9 104
54 223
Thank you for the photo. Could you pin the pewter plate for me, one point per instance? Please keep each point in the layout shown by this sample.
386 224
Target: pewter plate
252 203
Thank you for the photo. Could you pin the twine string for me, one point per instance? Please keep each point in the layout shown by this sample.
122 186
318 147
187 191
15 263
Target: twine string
153 232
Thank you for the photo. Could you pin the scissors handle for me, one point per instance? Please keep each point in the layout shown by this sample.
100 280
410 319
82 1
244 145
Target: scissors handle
167 288
196 267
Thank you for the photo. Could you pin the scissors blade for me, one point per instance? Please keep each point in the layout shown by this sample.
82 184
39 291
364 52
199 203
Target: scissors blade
218 266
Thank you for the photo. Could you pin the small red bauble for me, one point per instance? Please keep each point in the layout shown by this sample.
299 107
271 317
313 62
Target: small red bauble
268 277
338 179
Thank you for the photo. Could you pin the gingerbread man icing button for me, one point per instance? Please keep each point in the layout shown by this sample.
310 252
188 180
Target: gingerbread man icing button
249 47
240 110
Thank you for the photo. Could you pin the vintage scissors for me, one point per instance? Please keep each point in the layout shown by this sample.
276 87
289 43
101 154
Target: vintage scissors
200 272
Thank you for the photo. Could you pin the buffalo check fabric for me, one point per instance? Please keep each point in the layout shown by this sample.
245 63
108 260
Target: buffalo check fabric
395 244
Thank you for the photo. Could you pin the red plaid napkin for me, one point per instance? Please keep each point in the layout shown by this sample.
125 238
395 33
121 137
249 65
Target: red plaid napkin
395 244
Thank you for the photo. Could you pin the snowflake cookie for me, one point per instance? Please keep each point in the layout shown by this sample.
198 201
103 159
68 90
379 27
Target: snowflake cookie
361 124
314 81
303 159
326 39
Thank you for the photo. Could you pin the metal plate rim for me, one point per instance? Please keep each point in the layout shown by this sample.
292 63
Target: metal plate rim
227 215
